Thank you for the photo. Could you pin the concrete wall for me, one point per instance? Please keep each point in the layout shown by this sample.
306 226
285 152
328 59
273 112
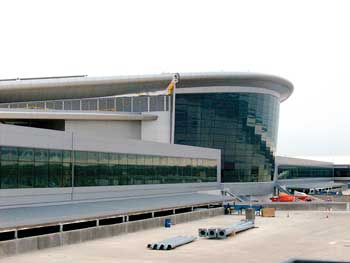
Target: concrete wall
23 245
105 129
11 135
312 206
40 138
157 131
28 196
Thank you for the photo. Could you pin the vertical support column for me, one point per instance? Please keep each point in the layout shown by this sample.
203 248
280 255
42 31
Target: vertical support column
148 104
98 104
165 102
132 104
218 169
72 166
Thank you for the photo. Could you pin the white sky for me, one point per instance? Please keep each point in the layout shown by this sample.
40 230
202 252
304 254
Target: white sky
307 42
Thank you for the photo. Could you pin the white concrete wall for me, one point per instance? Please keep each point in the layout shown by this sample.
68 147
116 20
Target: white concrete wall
109 130
157 131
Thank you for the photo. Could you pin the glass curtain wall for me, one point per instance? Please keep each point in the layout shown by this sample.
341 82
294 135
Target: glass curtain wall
242 125
41 168
342 171
295 172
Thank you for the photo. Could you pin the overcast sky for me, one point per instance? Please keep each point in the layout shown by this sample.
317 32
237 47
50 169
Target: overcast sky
306 42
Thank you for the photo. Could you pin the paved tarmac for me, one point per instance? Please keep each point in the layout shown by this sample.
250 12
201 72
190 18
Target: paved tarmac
302 234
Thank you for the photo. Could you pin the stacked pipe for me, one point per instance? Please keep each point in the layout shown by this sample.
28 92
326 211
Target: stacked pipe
242 226
171 243
221 233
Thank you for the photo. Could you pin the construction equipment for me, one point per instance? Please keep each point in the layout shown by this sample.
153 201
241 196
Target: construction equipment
211 233
221 233
231 207
242 226
171 243
202 232
283 197
226 192
286 196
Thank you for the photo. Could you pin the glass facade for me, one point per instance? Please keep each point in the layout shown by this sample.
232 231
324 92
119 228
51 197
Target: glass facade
41 168
296 172
342 171
242 125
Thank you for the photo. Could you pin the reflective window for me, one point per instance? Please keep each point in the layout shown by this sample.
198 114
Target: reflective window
295 172
25 154
41 155
9 153
242 125
41 168
342 171
9 173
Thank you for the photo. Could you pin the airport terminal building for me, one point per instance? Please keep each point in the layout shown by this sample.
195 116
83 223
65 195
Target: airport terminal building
82 138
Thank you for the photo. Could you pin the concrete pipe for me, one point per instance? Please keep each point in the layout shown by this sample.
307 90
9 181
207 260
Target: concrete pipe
203 232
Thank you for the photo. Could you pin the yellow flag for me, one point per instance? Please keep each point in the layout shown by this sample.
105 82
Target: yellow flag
170 87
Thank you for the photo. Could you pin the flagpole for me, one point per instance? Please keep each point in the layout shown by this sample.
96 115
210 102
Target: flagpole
172 132
173 116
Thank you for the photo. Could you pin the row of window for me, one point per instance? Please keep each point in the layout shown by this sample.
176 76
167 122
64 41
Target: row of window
40 168
342 171
295 172
121 104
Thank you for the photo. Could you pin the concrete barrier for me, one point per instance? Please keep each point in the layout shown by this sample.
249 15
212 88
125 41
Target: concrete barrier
311 206
23 245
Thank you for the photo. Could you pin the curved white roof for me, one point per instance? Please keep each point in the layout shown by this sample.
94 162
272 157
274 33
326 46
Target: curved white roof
86 87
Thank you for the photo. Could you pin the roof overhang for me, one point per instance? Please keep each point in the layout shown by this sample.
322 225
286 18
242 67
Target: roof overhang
291 161
88 87
74 115
313 185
